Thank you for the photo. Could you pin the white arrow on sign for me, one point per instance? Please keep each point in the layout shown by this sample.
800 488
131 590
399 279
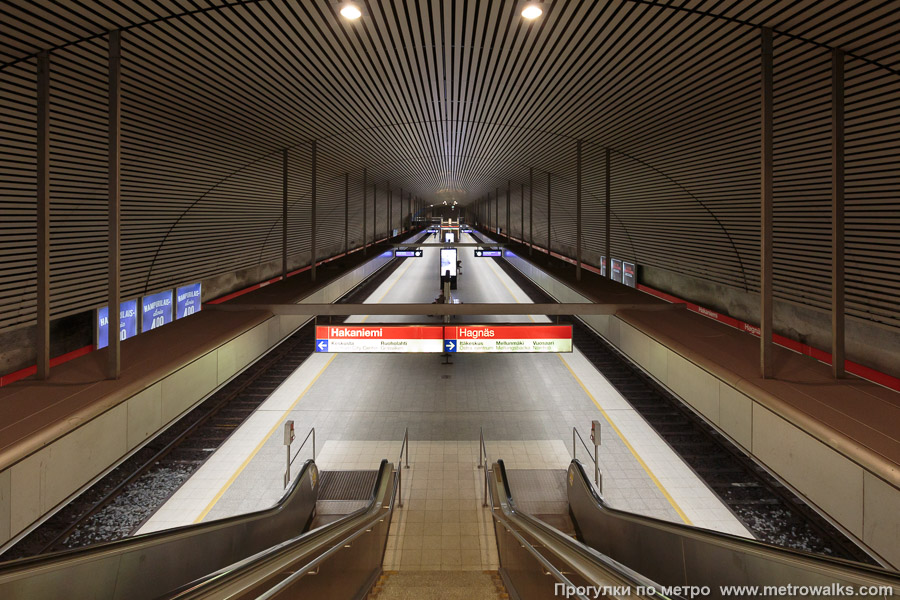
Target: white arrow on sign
322 345
450 345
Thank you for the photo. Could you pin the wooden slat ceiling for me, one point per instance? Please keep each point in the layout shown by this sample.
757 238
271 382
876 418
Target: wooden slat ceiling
452 99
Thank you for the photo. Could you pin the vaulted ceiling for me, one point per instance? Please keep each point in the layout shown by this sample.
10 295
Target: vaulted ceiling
453 99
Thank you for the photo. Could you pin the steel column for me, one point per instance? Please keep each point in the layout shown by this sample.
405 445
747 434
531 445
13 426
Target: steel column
496 210
113 364
548 215
508 193
390 209
284 214
837 213
346 212
312 213
607 224
365 193
522 212
578 211
765 271
530 210
43 216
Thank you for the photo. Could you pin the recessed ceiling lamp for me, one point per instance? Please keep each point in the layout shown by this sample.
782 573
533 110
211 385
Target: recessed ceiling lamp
532 10
350 11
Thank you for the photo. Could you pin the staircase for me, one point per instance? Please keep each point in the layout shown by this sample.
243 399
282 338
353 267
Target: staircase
440 585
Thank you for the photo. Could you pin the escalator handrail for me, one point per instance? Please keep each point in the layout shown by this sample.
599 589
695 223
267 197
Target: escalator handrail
722 538
590 555
204 586
125 544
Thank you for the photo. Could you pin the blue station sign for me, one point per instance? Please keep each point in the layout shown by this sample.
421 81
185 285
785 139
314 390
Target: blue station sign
156 310
187 300
127 322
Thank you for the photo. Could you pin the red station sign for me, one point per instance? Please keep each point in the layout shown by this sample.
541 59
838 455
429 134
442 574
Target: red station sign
508 338
379 338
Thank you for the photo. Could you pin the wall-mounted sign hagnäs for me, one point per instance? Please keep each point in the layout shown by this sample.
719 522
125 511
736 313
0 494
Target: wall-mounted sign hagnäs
508 338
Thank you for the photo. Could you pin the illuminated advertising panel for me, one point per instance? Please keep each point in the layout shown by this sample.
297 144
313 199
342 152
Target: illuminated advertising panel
448 261
379 338
508 338
127 322
156 310
603 266
629 274
187 300
617 270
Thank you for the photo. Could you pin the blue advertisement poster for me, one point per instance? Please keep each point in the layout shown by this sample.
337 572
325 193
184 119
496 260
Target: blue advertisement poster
127 322
187 300
156 310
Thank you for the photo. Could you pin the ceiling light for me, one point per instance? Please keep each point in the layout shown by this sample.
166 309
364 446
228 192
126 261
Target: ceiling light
351 11
532 11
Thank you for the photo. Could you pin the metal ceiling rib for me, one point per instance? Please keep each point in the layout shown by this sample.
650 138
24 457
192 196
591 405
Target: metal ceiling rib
450 99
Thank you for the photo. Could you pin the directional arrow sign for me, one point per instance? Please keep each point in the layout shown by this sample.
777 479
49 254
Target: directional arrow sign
450 345
322 346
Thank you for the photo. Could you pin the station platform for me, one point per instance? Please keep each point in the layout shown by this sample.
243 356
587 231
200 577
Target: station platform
527 405
56 435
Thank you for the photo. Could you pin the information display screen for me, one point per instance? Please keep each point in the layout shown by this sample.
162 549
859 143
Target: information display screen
156 310
488 253
629 274
508 338
187 300
127 322
448 261
379 338
450 237
617 270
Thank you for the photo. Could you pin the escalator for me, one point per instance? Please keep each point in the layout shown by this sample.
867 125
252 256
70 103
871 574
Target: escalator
683 560
321 515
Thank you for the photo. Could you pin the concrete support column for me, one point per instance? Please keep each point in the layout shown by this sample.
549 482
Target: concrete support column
607 224
766 256
346 212
113 364
284 214
837 213
43 216
365 208
578 211
390 209
312 213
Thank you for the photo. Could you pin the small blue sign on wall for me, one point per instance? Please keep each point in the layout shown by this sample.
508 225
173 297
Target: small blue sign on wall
127 322
156 310
187 300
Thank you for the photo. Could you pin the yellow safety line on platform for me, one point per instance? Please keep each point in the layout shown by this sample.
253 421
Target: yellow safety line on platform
497 274
259 446
399 277
631 449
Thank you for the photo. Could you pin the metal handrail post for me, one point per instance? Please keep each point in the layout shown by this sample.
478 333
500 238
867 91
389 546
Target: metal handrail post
573 442
406 443
480 446
314 443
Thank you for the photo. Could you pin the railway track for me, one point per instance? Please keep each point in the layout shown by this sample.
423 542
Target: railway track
119 503
771 511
